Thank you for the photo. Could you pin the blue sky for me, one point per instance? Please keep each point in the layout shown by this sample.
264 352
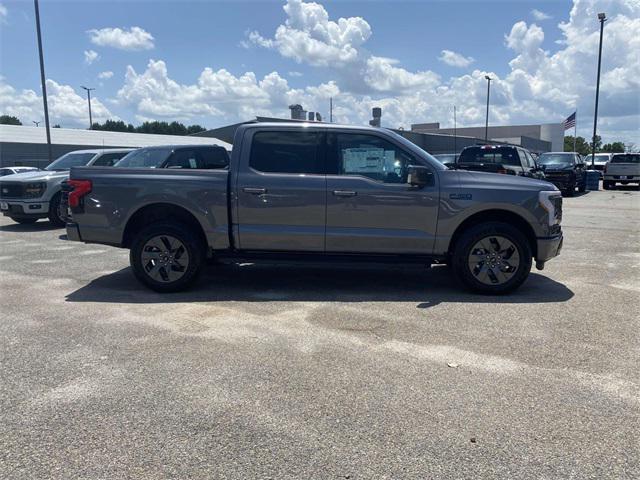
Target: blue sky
393 60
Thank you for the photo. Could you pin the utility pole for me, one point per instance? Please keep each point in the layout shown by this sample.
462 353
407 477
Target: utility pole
43 81
455 126
486 123
89 100
330 109
603 18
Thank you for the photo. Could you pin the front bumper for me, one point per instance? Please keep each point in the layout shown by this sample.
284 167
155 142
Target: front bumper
563 182
549 247
19 208
73 232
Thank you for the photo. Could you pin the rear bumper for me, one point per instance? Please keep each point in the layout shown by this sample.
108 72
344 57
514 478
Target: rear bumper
622 178
20 208
549 247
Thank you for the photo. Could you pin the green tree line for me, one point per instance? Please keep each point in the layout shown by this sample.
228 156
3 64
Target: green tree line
161 128
583 147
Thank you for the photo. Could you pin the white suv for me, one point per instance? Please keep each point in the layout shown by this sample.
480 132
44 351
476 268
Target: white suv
26 197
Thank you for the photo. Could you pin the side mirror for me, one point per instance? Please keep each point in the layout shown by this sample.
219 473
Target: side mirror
419 176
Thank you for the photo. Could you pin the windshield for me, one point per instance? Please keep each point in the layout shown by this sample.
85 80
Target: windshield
145 158
556 159
69 160
502 155
626 158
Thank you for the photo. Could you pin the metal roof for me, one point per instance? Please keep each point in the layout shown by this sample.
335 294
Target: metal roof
71 136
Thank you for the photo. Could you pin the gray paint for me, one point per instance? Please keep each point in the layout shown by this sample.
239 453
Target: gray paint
289 216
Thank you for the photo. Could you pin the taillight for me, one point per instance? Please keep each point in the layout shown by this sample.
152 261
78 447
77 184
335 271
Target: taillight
502 170
79 189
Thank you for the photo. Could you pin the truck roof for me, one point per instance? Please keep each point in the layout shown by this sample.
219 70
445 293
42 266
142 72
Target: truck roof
301 125
100 150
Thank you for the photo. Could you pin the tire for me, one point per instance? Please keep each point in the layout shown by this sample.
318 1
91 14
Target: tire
583 187
56 216
183 250
569 191
24 220
495 236
607 185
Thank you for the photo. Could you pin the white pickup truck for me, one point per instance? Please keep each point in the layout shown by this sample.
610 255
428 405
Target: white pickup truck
623 168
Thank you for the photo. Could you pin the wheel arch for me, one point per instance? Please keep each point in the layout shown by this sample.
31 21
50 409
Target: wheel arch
165 212
496 215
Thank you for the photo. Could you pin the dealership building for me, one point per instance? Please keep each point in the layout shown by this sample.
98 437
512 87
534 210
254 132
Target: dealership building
27 146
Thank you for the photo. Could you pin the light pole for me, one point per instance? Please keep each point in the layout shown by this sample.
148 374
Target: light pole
603 18
42 80
37 123
89 100
486 123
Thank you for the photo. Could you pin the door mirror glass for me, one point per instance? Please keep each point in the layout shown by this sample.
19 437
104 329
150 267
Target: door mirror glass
419 176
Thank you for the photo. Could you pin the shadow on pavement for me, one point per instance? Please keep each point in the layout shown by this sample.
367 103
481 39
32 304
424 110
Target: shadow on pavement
33 227
264 283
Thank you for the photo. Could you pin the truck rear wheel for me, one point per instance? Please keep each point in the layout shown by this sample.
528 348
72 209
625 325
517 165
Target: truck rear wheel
492 258
166 257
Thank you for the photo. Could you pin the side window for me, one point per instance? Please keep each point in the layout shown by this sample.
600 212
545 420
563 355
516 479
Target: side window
183 158
212 158
286 152
530 161
109 159
368 156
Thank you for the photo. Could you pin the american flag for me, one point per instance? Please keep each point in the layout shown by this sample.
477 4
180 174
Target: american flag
570 122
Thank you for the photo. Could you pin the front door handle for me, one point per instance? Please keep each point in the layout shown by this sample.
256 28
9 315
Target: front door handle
344 193
254 191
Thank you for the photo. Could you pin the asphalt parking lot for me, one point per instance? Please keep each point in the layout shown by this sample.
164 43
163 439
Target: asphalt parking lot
322 371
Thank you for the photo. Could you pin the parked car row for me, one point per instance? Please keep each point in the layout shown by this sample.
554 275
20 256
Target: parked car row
566 170
29 196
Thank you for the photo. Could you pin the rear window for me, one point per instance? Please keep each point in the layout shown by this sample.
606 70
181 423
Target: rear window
285 152
503 155
213 158
145 158
626 158
556 159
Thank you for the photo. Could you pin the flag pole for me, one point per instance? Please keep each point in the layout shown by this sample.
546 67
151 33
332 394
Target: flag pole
575 131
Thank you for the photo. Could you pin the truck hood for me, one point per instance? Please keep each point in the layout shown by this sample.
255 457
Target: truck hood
499 181
39 176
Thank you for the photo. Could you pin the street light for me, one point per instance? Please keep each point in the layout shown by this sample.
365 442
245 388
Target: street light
37 123
602 18
89 100
43 80
486 124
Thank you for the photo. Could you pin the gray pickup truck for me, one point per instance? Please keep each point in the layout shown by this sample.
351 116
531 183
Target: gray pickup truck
320 192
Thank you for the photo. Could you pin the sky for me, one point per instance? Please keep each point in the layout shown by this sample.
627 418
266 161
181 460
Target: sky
220 62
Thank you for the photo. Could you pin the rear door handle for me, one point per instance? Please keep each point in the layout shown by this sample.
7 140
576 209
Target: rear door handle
344 193
254 191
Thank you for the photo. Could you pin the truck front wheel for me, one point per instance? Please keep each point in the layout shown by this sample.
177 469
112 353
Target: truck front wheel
166 257
492 258
57 217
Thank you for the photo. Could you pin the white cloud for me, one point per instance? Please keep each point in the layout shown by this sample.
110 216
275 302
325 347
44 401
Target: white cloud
3 14
90 56
540 15
66 107
295 74
539 86
105 75
133 39
455 59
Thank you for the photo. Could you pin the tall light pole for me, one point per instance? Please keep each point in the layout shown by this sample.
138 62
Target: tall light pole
455 131
603 18
89 100
43 81
36 123
486 123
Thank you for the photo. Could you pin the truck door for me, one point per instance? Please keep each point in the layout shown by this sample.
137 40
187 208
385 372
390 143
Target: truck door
370 206
281 191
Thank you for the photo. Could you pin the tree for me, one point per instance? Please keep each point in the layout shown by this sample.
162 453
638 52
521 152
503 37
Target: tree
159 128
615 147
9 120
582 147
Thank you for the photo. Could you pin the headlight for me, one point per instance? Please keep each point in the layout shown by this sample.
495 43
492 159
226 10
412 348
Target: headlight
551 201
34 190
